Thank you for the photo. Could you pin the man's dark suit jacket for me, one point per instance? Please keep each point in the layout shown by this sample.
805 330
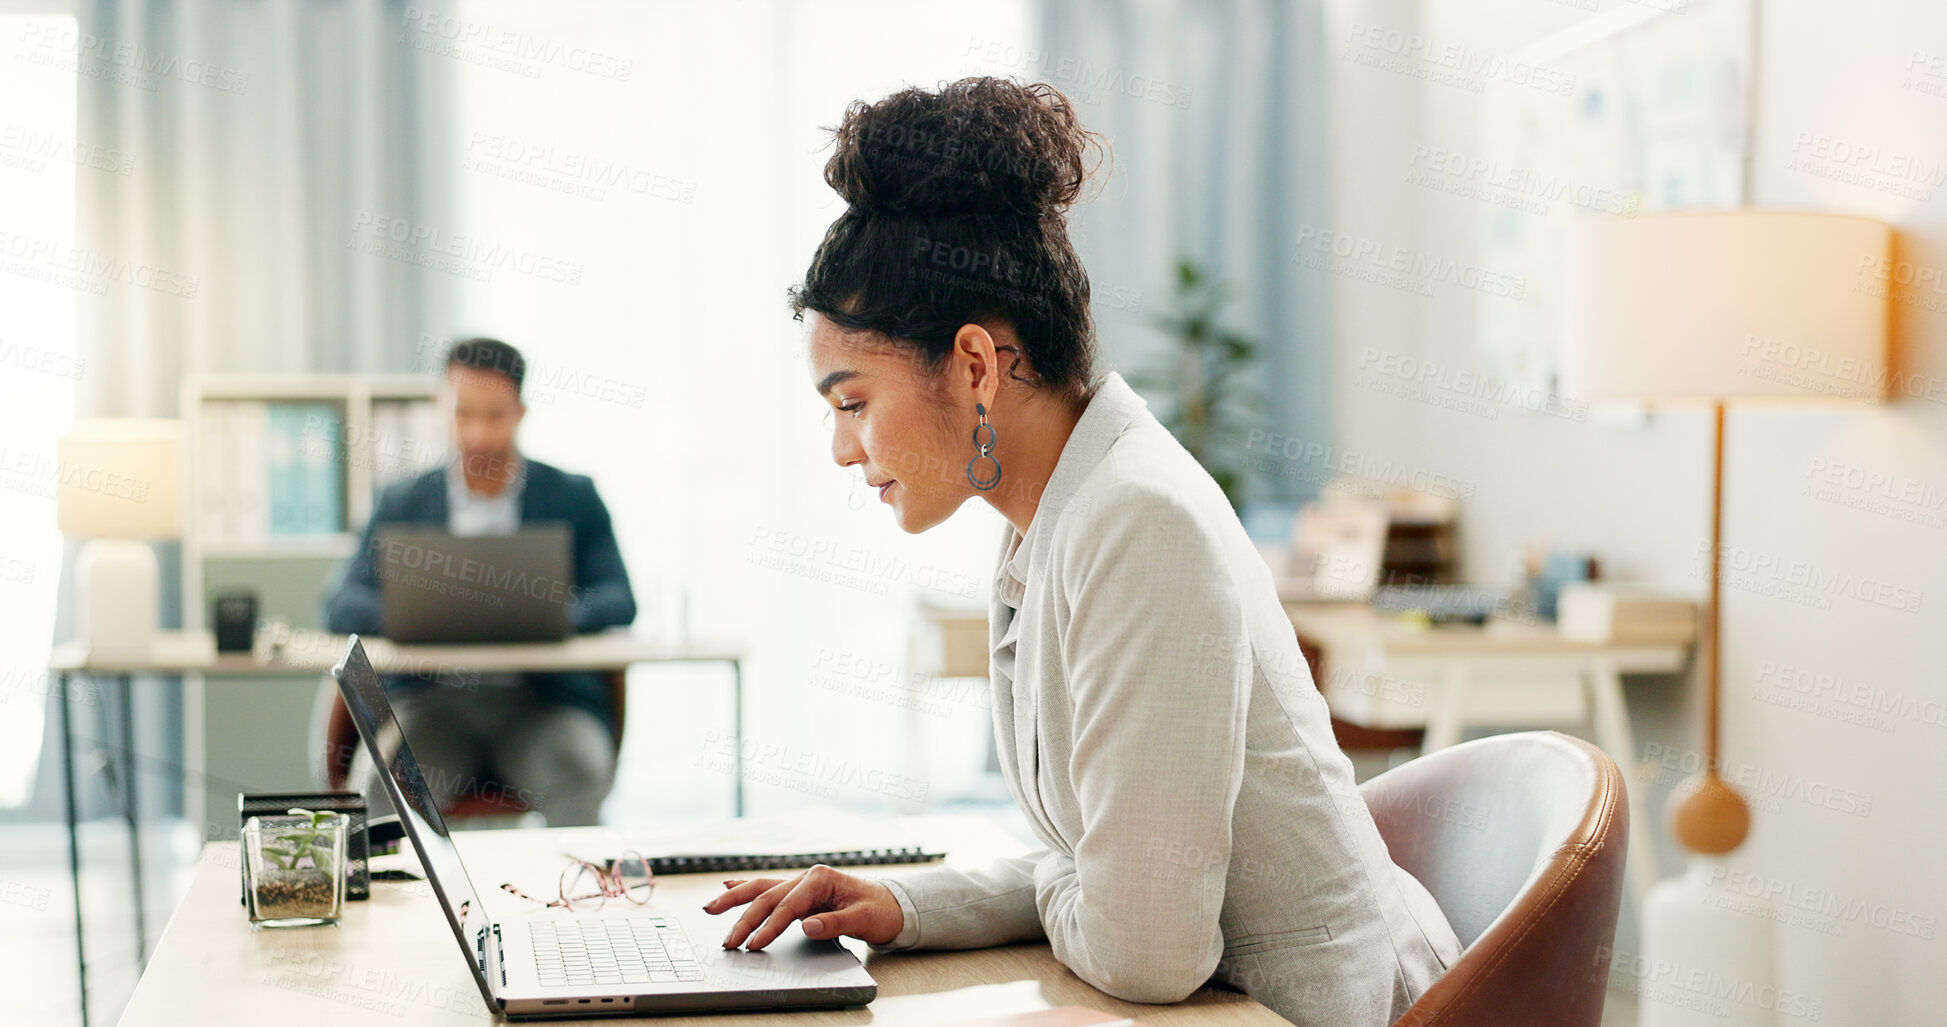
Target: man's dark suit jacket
549 494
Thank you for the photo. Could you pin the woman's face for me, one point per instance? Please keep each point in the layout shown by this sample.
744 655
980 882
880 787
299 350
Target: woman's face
891 417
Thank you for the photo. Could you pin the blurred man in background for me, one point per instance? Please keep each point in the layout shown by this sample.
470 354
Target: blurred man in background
541 741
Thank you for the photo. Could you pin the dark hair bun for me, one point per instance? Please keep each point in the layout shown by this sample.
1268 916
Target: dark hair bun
979 145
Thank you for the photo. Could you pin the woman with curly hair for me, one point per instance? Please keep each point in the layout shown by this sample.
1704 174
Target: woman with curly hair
1154 717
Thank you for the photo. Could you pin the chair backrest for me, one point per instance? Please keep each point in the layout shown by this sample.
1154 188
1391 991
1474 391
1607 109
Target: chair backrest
1521 839
335 737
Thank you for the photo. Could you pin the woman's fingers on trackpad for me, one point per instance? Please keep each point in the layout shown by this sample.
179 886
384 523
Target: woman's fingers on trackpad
803 899
737 892
759 908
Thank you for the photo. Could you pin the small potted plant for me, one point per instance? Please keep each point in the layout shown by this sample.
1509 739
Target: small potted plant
294 868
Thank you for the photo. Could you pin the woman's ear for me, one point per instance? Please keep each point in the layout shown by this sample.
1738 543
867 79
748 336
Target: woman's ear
976 359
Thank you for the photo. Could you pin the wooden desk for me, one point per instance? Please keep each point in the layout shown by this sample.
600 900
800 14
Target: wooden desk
1379 671
393 959
309 652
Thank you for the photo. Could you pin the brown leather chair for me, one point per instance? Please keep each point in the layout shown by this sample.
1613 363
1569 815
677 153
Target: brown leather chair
341 740
1521 839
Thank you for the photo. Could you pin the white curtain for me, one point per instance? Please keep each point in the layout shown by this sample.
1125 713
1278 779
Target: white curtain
224 154
1216 110
262 133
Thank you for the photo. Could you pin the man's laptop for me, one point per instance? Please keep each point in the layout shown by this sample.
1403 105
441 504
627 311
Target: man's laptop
651 958
438 587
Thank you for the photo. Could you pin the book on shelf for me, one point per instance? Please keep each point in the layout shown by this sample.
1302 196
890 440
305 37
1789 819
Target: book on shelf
285 487
270 470
321 454
249 465
215 484
406 440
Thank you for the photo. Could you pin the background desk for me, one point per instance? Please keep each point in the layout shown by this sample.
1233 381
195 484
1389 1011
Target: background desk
1378 671
312 653
393 959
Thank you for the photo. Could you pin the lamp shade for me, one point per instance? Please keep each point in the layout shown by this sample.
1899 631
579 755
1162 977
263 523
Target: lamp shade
1713 306
120 479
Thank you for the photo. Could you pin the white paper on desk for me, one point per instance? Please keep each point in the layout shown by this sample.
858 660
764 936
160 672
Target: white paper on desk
407 859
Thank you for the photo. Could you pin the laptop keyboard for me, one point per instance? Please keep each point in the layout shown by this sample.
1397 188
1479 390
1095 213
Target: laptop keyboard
616 950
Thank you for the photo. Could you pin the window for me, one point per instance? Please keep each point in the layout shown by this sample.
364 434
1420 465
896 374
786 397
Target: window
39 159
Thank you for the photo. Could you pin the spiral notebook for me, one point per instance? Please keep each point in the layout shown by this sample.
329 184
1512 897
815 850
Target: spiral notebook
717 863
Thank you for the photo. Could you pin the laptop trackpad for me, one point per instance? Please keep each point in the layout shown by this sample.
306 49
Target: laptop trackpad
582 952
790 953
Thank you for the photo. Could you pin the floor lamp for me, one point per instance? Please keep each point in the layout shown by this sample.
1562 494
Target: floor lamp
1709 308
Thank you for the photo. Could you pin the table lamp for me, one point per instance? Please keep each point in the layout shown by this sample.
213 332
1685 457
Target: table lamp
1707 308
117 485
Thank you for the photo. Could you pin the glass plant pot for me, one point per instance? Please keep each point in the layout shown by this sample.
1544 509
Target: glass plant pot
294 869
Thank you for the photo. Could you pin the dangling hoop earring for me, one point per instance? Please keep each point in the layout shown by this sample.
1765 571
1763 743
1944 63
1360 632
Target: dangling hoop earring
986 452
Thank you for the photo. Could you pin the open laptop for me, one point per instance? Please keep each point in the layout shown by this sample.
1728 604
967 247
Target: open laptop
438 587
650 958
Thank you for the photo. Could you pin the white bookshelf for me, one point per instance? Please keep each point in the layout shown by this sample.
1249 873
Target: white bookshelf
358 399
288 572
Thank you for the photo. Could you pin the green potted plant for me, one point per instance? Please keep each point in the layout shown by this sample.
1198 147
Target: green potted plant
1203 380
294 868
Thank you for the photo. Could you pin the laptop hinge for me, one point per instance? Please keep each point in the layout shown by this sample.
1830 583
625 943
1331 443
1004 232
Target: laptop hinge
480 950
500 956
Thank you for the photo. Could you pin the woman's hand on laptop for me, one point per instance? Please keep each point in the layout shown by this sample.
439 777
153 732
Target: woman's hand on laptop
830 902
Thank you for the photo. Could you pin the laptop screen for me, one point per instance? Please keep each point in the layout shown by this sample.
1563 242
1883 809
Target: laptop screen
418 811
438 587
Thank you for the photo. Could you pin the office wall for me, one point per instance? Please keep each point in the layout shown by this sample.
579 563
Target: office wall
1851 118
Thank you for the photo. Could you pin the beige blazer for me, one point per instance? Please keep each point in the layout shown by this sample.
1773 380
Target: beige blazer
1159 726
